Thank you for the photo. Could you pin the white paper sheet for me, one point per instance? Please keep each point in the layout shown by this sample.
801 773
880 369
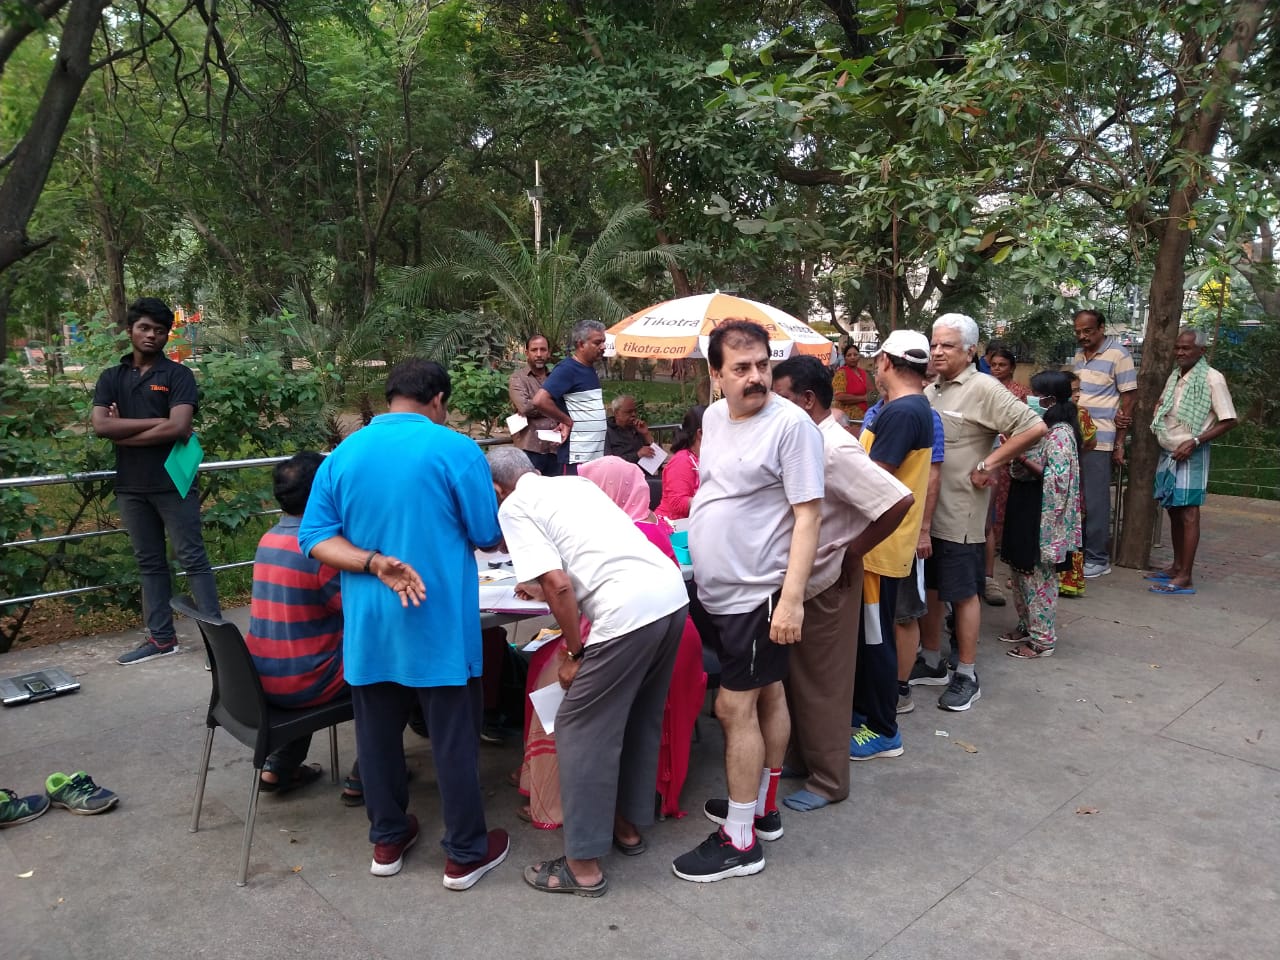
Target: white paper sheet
501 598
546 701
652 462
550 436
516 423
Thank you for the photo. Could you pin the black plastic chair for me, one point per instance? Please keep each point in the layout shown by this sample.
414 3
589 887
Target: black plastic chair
239 705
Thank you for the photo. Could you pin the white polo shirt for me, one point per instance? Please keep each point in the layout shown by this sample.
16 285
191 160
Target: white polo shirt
621 580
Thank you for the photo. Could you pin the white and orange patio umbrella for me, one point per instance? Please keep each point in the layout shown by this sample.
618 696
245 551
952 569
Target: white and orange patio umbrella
680 328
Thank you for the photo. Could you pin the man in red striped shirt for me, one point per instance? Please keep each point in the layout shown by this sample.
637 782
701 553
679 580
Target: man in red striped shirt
295 622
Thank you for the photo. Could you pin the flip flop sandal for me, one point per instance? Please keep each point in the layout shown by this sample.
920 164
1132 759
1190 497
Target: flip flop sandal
630 849
352 794
539 877
1030 650
1159 576
301 777
1013 636
1169 589
525 813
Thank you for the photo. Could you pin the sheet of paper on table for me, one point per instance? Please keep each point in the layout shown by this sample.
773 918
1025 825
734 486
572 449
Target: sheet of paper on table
501 598
516 423
550 436
546 701
652 462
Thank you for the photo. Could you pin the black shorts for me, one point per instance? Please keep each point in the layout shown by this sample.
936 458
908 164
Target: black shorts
910 605
957 571
749 660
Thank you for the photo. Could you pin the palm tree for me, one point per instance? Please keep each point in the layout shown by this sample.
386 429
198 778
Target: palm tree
515 291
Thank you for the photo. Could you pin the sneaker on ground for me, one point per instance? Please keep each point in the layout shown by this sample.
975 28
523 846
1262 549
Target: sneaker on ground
1094 570
15 809
388 858
716 858
924 675
464 876
866 744
149 649
768 827
78 793
905 703
961 694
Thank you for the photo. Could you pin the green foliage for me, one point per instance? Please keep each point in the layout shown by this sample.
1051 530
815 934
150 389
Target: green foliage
250 407
515 290
479 393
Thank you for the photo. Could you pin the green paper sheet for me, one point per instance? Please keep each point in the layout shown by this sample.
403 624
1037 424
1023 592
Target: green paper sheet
183 462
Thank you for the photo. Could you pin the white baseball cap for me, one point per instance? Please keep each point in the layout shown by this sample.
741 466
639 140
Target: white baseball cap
910 345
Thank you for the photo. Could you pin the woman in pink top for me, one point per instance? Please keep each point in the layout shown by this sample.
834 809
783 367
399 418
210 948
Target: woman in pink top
539 777
680 475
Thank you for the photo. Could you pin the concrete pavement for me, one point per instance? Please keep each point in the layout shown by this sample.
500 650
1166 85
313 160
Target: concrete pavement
1122 802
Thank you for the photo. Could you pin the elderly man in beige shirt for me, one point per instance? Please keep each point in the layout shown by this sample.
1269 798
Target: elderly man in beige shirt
975 409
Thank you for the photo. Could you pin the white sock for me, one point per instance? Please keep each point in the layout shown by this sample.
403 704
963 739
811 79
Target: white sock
932 658
739 825
764 792
969 670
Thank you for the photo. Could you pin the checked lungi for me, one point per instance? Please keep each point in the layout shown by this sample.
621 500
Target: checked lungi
1182 484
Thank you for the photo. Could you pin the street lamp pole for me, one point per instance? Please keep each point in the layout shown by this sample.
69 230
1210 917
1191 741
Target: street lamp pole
535 196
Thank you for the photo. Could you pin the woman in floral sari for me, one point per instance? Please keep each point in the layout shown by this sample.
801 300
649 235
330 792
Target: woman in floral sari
1042 522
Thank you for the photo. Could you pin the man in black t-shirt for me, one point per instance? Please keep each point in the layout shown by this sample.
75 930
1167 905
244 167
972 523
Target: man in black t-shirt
144 405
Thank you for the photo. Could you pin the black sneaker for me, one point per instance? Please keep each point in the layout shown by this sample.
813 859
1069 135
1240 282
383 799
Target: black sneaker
716 858
924 675
149 649
961 694
768 827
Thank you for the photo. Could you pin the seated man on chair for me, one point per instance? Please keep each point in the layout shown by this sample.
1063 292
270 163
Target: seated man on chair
295 627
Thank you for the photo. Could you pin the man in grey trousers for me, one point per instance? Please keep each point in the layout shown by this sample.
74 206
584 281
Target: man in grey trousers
575 548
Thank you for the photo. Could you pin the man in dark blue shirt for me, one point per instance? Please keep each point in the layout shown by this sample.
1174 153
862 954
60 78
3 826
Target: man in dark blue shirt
144 405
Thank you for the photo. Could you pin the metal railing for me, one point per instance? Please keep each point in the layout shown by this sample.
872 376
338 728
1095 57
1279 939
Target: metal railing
12 483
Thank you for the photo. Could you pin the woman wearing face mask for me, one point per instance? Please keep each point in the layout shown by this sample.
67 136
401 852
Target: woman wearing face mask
1002 362
1042 519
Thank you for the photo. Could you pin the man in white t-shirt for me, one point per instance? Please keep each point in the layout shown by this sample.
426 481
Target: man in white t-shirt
753 532
574 547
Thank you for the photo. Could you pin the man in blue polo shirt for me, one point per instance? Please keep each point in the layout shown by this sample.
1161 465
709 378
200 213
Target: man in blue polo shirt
402 504
144 405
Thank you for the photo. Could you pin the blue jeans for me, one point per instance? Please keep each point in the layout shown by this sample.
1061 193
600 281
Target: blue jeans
148 517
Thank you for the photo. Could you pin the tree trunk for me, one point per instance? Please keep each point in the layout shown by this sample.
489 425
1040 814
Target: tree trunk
32 159
1195 139
112 248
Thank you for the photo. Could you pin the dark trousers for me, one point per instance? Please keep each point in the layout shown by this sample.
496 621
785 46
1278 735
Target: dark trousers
147 518
547 464
608 731
875 682
1095 489
453 717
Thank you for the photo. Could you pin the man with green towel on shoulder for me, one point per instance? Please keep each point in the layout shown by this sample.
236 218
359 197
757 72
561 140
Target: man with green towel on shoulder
145 405
1194 409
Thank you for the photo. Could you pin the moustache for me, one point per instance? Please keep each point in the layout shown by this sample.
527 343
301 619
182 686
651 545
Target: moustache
755 388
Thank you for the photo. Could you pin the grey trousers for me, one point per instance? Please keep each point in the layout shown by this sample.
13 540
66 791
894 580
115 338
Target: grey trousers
608 731
1095 488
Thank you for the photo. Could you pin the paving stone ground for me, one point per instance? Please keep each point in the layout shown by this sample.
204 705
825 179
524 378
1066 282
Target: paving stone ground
1122 803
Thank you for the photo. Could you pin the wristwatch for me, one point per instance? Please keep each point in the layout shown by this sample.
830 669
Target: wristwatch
575 656
1196 441
981 467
